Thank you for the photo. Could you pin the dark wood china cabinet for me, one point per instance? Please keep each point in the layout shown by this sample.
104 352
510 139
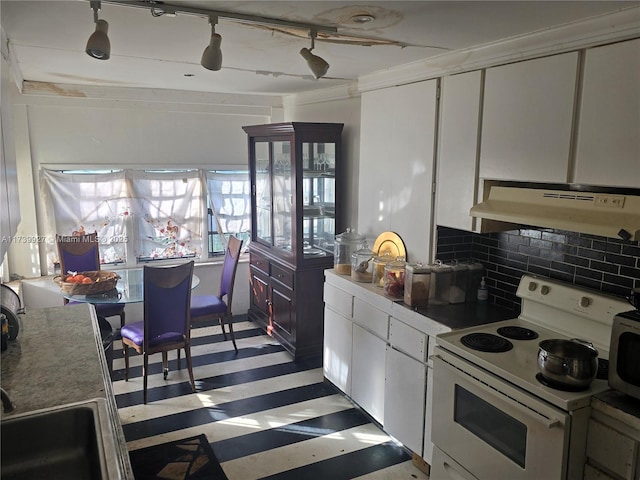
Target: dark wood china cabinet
296 189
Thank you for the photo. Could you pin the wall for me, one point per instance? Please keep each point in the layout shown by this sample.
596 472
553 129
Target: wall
606 264
115 128
344 110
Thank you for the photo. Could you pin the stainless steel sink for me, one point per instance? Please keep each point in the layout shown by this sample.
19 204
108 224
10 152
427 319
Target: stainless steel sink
64 442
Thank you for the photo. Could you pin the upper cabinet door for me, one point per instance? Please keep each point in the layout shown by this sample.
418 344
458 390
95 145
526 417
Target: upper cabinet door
456 186
608 145
397 138
528 118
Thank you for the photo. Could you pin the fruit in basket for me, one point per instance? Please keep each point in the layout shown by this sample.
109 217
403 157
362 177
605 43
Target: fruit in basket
87 280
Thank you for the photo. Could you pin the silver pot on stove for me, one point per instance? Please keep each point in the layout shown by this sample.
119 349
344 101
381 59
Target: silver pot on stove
571 363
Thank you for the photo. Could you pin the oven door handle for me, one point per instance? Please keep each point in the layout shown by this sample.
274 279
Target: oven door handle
548 422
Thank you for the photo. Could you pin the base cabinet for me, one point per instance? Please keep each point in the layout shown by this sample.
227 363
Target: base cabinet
368 378
404 394
377 353
284 301
613 439
336 358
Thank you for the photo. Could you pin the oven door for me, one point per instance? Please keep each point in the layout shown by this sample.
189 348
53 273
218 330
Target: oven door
493 429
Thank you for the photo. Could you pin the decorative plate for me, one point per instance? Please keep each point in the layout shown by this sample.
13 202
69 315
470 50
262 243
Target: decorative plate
391 244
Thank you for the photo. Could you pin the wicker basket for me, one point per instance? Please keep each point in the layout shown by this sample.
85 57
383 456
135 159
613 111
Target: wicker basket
102 282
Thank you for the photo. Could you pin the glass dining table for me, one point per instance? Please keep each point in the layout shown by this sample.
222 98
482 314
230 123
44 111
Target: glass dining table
129 289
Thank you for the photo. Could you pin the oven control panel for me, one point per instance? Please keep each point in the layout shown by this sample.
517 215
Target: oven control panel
570 298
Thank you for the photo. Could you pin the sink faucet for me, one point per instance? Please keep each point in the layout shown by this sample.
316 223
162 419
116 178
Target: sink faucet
7 406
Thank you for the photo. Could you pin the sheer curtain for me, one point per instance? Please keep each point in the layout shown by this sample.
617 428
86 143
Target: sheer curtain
167 209
230 203
78 204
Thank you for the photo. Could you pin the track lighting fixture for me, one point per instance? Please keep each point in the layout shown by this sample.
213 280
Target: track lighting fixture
212 55
317 65
98 45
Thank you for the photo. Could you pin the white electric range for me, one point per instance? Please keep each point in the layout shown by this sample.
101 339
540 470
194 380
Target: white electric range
494 416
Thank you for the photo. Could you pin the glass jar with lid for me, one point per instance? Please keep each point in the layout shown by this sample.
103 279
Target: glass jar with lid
346 244
394 273
362 265
379 262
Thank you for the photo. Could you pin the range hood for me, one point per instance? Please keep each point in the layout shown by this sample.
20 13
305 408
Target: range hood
604 214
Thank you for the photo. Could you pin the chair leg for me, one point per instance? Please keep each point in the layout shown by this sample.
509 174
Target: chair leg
122 322
145 368
165 365
125 353
224 334
187 353
233 337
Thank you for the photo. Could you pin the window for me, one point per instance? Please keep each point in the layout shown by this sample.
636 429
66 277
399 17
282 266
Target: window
144 216
229 211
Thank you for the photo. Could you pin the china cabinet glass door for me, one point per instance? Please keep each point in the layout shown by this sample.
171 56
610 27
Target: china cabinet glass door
318 198
263 191
282 195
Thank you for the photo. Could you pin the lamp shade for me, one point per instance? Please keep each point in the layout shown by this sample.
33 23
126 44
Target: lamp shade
98 45
317 65
212 55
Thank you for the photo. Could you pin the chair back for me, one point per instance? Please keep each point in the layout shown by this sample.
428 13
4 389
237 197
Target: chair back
167 303
78 253
229 268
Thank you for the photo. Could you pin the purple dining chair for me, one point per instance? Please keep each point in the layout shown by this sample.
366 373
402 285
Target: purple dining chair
81 253
212 307
166 325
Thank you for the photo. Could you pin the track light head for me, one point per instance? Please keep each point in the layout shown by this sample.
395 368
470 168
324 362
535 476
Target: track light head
98 45
317 65
212 55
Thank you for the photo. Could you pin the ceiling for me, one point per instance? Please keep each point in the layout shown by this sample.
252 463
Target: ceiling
47 40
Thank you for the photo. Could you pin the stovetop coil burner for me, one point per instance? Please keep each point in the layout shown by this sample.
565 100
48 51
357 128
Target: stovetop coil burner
557 385
486 342
517 333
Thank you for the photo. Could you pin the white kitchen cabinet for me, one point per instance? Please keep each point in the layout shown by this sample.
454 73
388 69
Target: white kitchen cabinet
611 449
368 372
613 439
397 139
9 199
336 359
608 141
527 119
404 398
388 349
427 452
456 187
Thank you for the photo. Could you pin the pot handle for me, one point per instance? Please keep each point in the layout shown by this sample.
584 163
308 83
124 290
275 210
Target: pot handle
586 343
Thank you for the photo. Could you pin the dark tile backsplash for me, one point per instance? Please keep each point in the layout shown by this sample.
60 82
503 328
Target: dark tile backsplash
606 264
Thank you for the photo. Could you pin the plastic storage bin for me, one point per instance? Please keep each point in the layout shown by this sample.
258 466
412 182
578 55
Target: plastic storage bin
417 282
440 283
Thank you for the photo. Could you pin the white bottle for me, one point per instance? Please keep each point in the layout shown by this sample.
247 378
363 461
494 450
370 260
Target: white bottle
483 291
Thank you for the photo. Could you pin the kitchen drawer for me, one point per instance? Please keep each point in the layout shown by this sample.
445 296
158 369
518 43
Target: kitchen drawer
611 449
370 318
260 263
408 339
338 300
281 275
